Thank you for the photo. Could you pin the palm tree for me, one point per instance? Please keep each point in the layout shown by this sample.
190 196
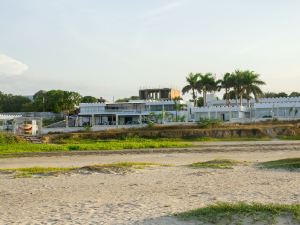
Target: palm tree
192 81
227 84
178 106
246 83
251 83
207 83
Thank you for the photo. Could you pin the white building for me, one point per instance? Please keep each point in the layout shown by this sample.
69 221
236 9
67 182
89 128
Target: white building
275 108
132 112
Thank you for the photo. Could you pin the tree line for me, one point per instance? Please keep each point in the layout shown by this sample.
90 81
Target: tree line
45 101
237 85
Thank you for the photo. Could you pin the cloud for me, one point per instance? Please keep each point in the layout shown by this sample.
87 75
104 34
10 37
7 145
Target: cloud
10 66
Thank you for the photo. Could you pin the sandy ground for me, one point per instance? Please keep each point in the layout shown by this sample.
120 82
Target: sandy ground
146 196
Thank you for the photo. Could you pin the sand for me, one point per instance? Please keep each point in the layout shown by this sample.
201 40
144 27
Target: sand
149 196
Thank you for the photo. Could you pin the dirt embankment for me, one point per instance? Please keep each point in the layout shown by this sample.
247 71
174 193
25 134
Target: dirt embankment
191 131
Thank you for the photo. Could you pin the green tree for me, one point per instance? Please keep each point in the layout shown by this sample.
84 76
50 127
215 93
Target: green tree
14 103
295 94
192 84
251 83
89 99
246 83
178 106
207 83
128 99
227 83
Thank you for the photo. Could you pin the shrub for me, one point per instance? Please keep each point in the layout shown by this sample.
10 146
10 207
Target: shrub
209 123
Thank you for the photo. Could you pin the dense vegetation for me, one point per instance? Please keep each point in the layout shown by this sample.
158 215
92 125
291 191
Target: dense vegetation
44 101
238 85
6 138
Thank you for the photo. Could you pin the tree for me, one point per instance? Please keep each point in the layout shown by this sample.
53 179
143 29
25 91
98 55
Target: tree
295 94
88 99
14 103
207 83
246 83
270 95
227 84
192 84
251 83
128 99
178 106
200 102
56 101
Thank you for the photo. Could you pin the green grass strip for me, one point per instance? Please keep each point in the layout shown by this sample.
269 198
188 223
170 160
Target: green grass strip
226 213
287 164
101 145
216 164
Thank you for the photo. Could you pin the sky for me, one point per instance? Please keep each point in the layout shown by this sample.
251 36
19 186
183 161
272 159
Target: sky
114 48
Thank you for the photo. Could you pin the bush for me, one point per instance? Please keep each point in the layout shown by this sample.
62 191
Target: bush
209 123
6 138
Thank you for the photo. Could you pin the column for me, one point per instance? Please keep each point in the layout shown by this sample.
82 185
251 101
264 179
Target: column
117 120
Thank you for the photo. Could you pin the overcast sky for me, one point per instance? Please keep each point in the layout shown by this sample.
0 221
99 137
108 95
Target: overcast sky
112 48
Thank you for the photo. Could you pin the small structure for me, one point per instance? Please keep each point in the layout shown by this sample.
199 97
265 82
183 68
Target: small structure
159 94
27 126
6 121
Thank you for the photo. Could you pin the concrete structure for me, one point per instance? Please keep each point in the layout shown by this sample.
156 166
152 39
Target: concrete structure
275 108
159 94
6 121
131 113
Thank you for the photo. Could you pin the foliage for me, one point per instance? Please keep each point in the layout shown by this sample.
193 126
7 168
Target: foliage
31 171
116 167
49 121
288 164
6 138
295 94
200 102
207 83
216 164
128 99
56 101
192 83
14 103
135 143
224 213
88 99
209 123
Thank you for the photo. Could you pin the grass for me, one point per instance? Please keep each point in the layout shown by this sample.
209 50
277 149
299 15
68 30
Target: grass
14 149
210 139
236 213
29 172
7 138
113 167
216 164
287 164
289 138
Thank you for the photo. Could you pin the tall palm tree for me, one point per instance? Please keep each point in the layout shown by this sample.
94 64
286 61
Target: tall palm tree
207 83
246 83
178 106
227 84
192 82
251 83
